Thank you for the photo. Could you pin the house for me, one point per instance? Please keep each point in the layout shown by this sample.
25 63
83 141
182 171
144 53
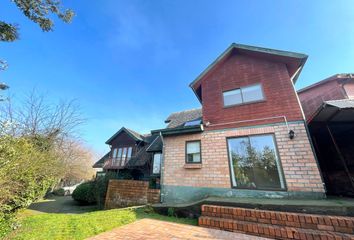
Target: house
249 139
329 109
133 156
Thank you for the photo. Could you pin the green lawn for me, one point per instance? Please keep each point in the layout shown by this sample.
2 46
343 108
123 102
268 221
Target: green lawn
80 226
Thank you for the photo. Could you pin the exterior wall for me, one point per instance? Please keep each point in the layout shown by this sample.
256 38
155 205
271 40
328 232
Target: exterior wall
123 193
213 177
238 71
313 98
123 140
349 89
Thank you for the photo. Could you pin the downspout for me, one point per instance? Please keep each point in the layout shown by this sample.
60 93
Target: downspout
162 170
307 128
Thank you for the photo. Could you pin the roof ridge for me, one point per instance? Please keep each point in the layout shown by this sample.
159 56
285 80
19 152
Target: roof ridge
184 111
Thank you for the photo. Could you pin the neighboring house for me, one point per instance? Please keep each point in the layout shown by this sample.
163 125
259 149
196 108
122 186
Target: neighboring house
249 139
133 155
329 109
339 86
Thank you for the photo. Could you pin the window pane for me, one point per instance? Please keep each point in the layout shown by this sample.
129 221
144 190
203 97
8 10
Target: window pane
266 162
232 97
193 147
124 154
241 163
129 155
114 155
193 123
193 158
254 163
193 152
119 153
252 93
157 163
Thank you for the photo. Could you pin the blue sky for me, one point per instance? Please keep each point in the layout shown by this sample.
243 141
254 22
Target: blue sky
129 63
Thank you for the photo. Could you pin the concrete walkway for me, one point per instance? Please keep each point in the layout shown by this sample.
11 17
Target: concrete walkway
149 229
59 204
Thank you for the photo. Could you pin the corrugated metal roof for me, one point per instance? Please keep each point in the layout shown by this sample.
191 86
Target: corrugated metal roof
335 111
343 103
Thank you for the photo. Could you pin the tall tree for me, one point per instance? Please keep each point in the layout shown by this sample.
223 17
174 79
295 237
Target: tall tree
38 11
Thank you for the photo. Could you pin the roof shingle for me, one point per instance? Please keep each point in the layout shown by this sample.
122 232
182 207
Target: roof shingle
177 119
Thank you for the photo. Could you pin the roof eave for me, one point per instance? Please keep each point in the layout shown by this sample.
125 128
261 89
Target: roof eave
178 131
125 130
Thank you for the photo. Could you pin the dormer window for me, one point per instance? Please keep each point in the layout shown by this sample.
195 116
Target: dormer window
248 94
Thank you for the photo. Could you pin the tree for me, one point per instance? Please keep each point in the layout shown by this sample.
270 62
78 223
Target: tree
38 11
77 160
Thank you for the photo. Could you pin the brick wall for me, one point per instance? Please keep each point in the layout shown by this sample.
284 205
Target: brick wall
313 98
349 89
277 225
238 71
124 193
297 159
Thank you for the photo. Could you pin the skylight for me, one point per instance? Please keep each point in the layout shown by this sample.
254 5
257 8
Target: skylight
193 122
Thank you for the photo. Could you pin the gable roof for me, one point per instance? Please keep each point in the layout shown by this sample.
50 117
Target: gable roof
134 135
294 61
177 119
335 77
100 163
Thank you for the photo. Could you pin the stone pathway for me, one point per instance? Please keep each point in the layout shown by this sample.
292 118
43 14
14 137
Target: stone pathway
149 229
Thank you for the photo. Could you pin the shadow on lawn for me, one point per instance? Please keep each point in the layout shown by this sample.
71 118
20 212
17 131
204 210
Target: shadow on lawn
61 204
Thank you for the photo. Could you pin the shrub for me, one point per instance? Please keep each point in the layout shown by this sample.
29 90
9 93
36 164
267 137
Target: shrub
28 168
84 193
59 192
101 185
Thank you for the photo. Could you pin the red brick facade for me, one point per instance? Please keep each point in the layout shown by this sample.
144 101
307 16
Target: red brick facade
239 71
299 165
124 193
277 225
313 98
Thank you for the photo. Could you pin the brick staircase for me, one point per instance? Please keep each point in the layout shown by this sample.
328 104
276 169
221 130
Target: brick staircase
277 225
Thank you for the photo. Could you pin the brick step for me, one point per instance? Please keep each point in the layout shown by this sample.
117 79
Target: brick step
286 219
269 230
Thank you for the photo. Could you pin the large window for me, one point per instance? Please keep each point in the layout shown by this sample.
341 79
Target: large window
254 163
193 152
242 95
156 164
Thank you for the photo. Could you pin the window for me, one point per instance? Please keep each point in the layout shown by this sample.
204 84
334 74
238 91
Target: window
193 152
119 153
114 154
243 95
156 164
129 154
193 122
124 155
254 163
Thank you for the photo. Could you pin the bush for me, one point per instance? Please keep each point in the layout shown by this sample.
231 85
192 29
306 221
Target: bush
84 193
94 191
28 168
59 192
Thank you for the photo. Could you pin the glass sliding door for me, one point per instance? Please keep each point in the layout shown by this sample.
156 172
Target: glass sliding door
255 163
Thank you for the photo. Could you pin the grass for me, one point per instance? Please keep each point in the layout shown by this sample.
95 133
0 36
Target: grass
80 226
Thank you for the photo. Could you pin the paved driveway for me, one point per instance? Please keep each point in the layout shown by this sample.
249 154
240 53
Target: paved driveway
149 229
